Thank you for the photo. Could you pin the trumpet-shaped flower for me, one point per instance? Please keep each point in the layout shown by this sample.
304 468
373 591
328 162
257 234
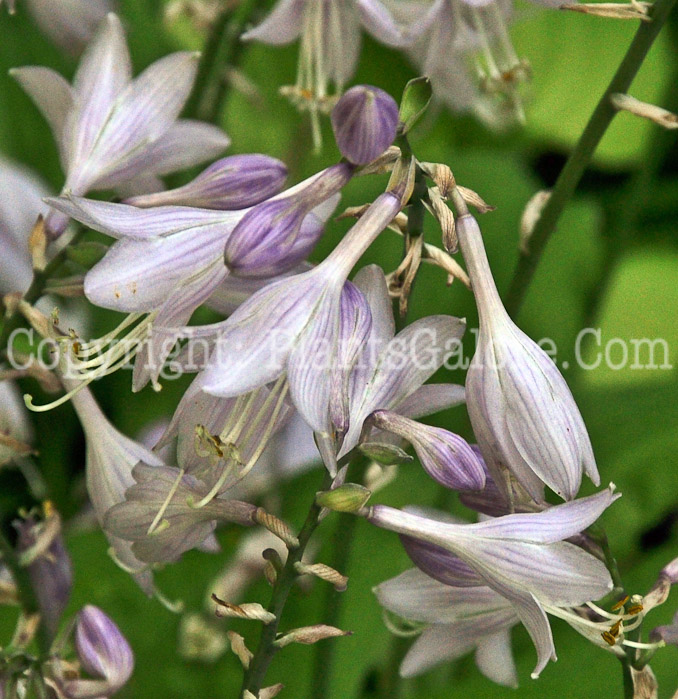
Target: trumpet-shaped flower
523 414
522 557
169 259
293 326
183 525
110 459
114 132
329 32
457 620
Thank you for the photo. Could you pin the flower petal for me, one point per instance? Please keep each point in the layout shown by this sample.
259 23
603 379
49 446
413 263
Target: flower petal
494 659
432 398
282 25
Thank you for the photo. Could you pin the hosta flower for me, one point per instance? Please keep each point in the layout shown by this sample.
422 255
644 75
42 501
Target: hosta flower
293 326
110 459
104 654
522 557
457 621
387 372
15 427
114 132
468 54
21 194
329 32
169 259
523 414
183 525
69 23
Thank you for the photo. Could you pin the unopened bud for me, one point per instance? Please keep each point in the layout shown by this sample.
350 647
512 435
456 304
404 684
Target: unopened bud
309 635
365 121
231 183
349 497
445 456
384 453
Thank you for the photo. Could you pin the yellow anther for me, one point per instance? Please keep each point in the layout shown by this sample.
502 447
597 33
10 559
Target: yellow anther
614 629
609 638
620 603
635 609
48 508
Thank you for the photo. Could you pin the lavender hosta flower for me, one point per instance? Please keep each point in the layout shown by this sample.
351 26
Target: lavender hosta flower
523 414
69 23
232 183
364 121
329 32
522 557
445 456
104 654
391 369
21 194
114 132
458 620
293 325
49 569
183 525
110 459
169 259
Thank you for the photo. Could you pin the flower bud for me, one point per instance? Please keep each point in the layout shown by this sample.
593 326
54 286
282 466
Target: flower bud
49 569
104 653
349 497
267 239
231 183
365 121
445 456
523 414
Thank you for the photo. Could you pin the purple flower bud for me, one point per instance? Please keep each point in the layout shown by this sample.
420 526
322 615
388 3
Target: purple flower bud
104 653
365 121
445 456
228 184
270 230
50 571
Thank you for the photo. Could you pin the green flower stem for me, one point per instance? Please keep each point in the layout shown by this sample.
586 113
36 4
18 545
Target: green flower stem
27 597
581 155
223 48
255 674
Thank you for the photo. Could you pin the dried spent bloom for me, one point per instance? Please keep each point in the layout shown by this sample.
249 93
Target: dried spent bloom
232 183
329 32
523 414
522 557
364 121
103 652
114 132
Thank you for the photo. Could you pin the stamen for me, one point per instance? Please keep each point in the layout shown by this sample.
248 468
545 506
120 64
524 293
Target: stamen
165 505
620 603
123 566
647 646
174 607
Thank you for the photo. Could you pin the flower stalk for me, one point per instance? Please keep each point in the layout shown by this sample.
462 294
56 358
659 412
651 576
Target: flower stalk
256 672
581 156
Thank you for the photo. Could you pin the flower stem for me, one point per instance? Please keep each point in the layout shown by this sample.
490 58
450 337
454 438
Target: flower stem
255 674
223 48
581 155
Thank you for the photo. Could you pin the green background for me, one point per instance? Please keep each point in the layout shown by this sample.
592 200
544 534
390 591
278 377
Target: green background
593 274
